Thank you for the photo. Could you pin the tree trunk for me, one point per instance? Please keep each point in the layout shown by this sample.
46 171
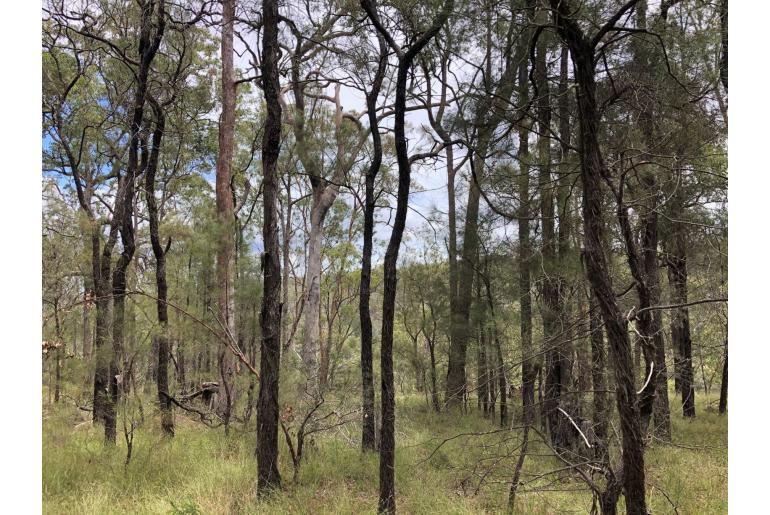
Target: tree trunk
592 169
387 493
149 42
483 379
387 489
368 441
59 350
225 215
161 338
433 377
598 377
723 387
556 343
313 298
528 367
655 394
499 373
268 476
456 387
100 351
88 296
491 111
680 319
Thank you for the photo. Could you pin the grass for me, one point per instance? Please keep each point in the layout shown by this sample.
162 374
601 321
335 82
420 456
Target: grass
202 471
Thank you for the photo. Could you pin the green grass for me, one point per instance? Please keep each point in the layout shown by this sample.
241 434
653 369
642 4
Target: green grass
202 471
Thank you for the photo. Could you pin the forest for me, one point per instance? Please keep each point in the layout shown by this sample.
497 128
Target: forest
415 256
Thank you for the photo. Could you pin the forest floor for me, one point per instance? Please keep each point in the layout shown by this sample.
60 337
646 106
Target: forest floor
202 471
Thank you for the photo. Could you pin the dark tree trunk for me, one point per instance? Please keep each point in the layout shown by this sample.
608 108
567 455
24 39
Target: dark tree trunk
433 378
528 363
59 350
723 388
598 377
149 42
387 497
268 476
655 393
100 351
556 345
592 171
499 373
368 440
162 341
680 317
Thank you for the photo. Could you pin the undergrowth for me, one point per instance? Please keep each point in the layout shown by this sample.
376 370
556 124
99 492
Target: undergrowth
201 471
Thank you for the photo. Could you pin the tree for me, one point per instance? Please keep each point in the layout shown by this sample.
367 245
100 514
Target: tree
368 442
387 499
268 476
490 110
592 169
225 213
167 420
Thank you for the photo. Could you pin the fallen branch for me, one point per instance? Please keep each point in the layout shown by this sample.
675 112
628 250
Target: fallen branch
205 416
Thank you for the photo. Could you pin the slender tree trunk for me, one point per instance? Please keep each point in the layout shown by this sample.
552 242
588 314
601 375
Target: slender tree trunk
433 377
387 497
225 213
161 338
592 170
555 339
460 322
528 366
491 111
101 352
268 476
680 320
483 388
655 393
286 234
598 376
88 296
149 42
59 350
723 387
368 441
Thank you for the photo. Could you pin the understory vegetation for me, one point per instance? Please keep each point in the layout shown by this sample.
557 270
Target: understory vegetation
201 471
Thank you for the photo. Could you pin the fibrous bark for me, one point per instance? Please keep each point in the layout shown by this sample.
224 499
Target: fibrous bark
592 172
226 216
268 476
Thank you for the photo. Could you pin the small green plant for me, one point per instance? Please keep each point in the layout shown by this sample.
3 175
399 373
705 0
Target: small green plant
188 508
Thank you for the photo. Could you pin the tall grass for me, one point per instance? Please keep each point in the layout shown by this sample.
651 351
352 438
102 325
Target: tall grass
202 471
